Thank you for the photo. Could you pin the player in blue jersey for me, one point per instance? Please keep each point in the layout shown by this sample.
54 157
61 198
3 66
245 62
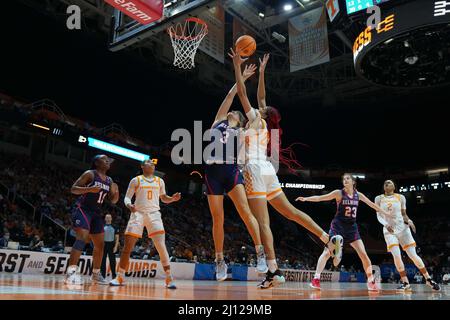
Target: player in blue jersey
222 176
344 224
93 186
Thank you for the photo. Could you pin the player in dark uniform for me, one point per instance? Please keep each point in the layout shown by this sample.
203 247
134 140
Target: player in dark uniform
92 187
344 224
222 176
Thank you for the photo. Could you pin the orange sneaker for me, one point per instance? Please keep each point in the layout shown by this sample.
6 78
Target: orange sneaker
117 281
170 284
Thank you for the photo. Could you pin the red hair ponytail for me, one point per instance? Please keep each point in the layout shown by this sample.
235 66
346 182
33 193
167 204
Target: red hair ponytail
286 155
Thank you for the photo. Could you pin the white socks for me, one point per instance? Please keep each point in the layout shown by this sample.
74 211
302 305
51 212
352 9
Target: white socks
259 249
219 256
272 264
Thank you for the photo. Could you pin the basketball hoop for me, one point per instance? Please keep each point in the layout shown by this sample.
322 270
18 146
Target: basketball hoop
186 37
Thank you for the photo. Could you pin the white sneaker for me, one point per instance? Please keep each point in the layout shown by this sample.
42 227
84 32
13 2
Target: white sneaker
261 264
73 278
117 281
335 246
97 278
221 270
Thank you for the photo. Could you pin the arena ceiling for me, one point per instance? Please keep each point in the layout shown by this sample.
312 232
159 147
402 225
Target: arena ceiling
325 84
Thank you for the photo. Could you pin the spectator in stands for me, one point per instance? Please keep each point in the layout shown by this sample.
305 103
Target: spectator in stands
36 243
418 277
4 240
242 255
59 247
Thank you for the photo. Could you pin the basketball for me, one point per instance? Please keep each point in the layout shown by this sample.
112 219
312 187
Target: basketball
245 45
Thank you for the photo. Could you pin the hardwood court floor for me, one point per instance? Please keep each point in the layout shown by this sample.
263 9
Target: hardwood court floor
39 287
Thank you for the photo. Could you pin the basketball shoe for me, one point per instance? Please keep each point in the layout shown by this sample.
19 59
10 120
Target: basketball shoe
272 280
73 277
433 285
335 246
97 278
221 270
117 281
315 284
170 284
405 286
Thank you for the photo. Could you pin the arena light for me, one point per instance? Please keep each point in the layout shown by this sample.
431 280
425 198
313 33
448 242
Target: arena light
112 148
40 127
437 171
287 7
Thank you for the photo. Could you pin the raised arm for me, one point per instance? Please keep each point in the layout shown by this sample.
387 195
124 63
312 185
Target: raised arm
249 70
261 81
241 89
336 194
375 207
79 187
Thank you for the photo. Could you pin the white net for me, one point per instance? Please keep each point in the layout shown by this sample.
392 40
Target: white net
186 38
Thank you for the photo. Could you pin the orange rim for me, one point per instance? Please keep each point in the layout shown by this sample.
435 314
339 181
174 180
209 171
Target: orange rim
183 37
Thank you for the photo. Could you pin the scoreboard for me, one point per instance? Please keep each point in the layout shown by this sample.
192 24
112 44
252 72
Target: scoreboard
358 5
397 21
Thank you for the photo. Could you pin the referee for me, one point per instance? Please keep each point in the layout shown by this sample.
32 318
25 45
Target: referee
111 246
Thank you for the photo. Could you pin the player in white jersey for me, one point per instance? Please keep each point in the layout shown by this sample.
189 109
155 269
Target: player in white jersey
397 232
260 178
148 189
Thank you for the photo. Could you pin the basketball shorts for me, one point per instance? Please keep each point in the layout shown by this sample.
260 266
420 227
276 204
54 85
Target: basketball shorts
222 178
88 220
404 239
348 230
150 220
261 181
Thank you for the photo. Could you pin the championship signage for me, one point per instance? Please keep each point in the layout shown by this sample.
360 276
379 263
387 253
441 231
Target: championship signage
295 275
30 262
308 40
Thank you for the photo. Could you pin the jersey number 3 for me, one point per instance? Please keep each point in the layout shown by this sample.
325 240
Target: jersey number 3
350 212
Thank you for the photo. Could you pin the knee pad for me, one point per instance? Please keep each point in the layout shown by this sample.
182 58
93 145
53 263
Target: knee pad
79 245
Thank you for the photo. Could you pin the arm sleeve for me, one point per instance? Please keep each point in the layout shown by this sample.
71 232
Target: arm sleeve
403 201
130 192
162 187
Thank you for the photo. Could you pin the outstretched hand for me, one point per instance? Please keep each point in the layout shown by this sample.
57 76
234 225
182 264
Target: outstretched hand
249 70
263 62
237 59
